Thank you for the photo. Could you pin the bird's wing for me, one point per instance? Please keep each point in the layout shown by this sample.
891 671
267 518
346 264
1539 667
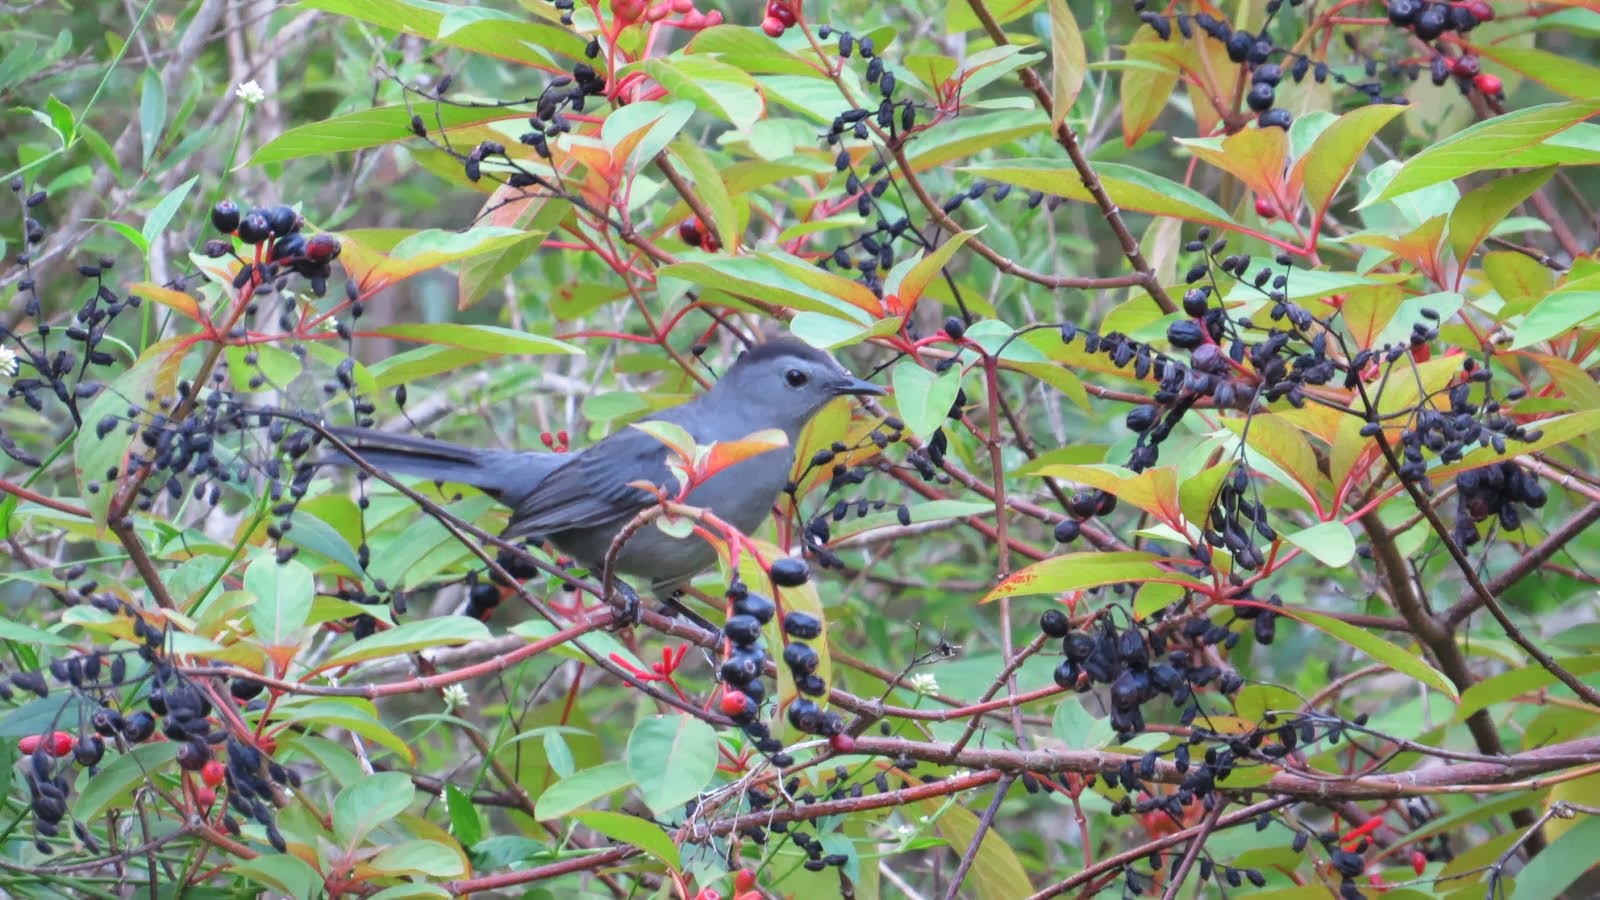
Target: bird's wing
592 489
505 474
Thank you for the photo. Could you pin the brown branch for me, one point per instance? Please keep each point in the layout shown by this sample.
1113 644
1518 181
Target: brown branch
985 822
1068 139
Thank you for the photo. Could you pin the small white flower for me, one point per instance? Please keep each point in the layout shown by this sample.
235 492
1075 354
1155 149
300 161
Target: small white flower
8 362
455 697
923 684
250 92
331 323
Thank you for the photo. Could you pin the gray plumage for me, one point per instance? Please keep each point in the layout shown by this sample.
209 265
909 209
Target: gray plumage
580 500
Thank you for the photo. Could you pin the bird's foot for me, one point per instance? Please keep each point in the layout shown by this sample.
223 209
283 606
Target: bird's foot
632 611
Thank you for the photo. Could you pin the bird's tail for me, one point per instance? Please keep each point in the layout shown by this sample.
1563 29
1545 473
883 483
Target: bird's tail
503 474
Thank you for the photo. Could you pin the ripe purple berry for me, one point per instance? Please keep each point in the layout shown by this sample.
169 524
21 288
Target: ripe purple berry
253 229
225 216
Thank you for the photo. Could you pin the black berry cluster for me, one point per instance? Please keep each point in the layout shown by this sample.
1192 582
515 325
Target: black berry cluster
1140 664
842 477
282 247
1449 435
51 363
744 691
1496 492
122 705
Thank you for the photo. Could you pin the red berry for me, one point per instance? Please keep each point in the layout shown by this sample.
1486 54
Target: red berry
627 11
736 704
322 247
1488 85
689 232
205 796
211 773
1418 862
782 11
57 743
744 880
842 743
773 26
1265 208
1465 66
1481 10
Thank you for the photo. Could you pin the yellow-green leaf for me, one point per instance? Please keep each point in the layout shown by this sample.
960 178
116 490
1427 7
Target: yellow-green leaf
1068 61
1392 655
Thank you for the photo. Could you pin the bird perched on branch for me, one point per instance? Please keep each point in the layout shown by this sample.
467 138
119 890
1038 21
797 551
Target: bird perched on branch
580 501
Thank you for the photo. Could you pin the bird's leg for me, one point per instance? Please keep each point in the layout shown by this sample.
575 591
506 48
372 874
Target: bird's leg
672 605
632 609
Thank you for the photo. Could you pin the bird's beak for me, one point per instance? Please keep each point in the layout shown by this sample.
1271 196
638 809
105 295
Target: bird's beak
857 387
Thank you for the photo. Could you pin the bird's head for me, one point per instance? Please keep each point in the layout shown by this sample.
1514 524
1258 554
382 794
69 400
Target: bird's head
784 383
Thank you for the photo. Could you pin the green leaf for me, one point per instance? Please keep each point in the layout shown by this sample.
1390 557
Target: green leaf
1324 168
484 272
922 397
1198 493
559 754
352 715
1480 211
581 789
1486 145
1551 873
996 872
762 279
968 135
428 859
411 890
1499 688
420 362
62 118
284 871
716 88
406 637
959 17
163 212
1391 655
26 634
1330 542
1562 74
1078 729
152 112
369 128
492 339
641 130
923 269
672 759
710 188
675 437
633 831
1068 62
1130 188
128 232
1077 571
283 598
368 804
1555 315
115 782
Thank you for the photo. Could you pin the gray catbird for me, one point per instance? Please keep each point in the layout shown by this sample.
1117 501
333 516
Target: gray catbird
580 500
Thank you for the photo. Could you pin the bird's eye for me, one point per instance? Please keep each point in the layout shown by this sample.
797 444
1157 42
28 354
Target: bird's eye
796 378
